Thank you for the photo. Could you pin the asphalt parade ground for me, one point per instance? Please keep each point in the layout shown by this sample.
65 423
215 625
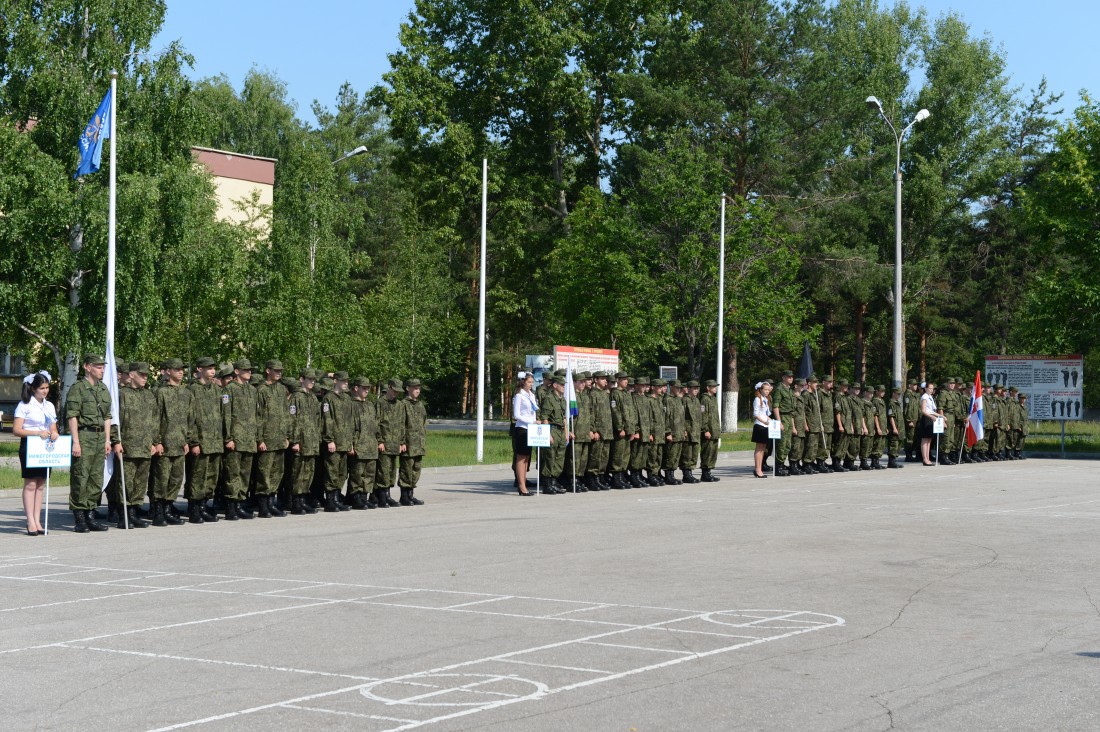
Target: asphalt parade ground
947 598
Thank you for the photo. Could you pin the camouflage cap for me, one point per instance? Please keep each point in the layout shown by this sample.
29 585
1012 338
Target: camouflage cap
395 384
274 364
812 379
599 375
622 375
325 382
842 382
957 380
547 375
93 359
710 382
306 373
641 381
171 363
800 382
411 383
658 382
787 373
1013 390
340 376
581 375
912 382
223 372
559 372
242 364
121 364
950 380
140 367
559 380
205 362
629 380
289 383
360 381
693 383
675 382
256 380
880 387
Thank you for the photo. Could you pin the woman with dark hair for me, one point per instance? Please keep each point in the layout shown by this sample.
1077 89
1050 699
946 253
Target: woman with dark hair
761 418
524 410
929 412
34 417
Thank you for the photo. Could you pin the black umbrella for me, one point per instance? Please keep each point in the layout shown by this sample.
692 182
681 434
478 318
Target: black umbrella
806 366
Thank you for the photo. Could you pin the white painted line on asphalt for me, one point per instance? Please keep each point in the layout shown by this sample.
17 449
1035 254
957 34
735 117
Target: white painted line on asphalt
707 632
477 602
83 599
638 648
216 662
550 665
59 574
347 714
576 610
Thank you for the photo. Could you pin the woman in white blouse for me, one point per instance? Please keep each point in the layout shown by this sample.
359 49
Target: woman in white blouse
34 417
761 418
928 415
524 408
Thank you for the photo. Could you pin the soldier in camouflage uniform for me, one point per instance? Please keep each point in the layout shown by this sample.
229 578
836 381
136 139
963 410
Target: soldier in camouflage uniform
337 429
826 406
674 431
878 446
1022 436
551 411
639 449
391 431
782 406
415 439
843 434
710 430
273 437
911 415
140 435
173 410
577 456
206 438
811 402
305 441
624 429
88 414
693 419
894 428
947 400
799 429
363 455
598 456
240 440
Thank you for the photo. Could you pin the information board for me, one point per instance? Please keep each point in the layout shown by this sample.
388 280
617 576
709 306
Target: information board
538 435
586 359
775 430
1054 384
42 453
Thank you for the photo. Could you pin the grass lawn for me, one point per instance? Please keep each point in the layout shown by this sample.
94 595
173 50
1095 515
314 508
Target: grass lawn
11 479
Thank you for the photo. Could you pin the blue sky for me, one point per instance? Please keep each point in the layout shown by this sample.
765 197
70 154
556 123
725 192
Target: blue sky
316 47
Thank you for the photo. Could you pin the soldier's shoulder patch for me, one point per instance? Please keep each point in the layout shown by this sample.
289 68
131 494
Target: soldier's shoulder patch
612 403
702 407
225 399
293 408
324 407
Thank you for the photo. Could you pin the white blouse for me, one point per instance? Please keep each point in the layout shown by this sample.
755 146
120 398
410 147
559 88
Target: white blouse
524 408
761 412
928 405
36 416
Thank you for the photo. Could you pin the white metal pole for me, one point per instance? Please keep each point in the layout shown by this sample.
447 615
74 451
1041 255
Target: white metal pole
46 506
481 316
721 311
111 244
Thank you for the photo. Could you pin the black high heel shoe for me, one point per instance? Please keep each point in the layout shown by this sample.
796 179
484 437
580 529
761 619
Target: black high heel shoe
759 475
528 493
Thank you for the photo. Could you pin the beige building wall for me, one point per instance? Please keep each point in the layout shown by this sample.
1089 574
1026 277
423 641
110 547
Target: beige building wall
244 185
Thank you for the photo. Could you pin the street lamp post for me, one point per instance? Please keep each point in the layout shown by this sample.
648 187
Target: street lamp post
313 261
899 343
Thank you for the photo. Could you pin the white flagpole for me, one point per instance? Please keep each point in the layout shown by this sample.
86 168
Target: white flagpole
46 506
721 310
569 422
481 316
111 242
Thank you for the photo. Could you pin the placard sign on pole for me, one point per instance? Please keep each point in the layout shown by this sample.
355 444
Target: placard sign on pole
49 454
587 359
1054 384
775 432
938 426
669 373
538 435
43 453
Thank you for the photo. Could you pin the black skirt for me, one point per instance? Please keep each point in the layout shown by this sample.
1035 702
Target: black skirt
28 472
519 441
924 427
760 434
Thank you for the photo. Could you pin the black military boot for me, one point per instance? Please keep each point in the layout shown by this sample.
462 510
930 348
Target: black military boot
394 504
1020 455
80 522
330 504
709 476
242 510
273 506
231 510
652 479
158 513
136 522
207 515
603 482
781 470
793 469
171 515
263 508
194 511
636 479
413 499
358 502
688 477
624 480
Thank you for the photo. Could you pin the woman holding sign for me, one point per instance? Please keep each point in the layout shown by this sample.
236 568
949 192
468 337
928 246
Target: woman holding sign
929 413
761 417
524 408
34 417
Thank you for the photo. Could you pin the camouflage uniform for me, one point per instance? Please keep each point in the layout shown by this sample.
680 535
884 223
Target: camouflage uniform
391 431
415 437
304 414
139 433
708 446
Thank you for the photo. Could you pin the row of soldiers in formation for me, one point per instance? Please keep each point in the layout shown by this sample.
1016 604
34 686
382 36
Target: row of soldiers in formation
856 425
273 443
627 431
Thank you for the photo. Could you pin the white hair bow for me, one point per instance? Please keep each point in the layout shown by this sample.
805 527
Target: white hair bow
30 377
758 385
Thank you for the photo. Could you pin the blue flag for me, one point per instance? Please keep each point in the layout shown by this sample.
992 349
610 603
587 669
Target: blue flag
91 142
